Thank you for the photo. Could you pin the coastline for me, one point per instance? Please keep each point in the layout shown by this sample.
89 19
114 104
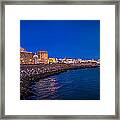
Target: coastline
28 81
40 71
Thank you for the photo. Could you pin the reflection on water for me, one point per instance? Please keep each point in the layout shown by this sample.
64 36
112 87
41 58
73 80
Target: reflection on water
44 88
81 84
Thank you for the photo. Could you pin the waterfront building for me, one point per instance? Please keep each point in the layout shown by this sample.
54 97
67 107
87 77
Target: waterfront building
83 61
98 61
35 57
93 61
43 57
22 49
26 57
79 60
59 60
52 60
70 60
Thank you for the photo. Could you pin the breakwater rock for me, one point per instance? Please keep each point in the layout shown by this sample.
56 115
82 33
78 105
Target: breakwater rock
34 72
31 73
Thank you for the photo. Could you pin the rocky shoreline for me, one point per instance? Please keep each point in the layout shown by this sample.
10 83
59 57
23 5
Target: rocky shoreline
44 70
31 73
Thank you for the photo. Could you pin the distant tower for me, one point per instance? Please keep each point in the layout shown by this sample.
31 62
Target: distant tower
43 56
35 57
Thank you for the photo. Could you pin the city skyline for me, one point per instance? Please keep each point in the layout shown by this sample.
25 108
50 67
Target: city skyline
62 38
35 53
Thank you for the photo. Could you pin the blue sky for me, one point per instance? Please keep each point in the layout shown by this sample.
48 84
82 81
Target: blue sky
62 38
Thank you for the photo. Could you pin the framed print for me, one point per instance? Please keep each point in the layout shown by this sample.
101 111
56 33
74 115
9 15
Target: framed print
59 59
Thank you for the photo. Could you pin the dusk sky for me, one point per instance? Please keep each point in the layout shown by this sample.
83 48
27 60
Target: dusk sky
62 38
